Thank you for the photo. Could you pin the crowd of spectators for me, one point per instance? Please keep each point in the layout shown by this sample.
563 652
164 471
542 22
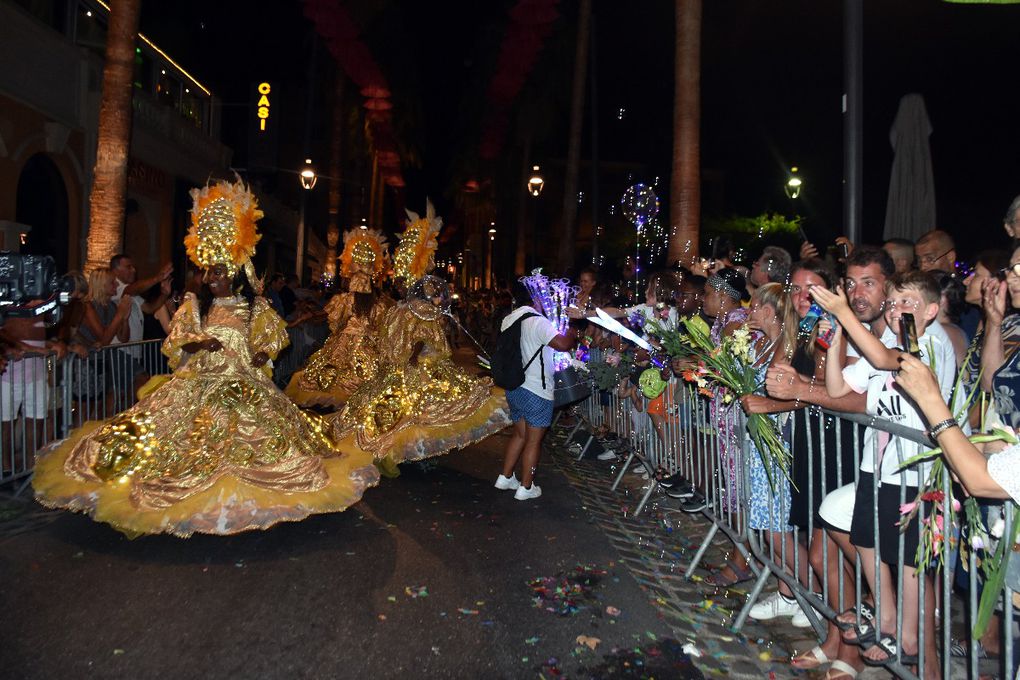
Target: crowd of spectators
966 319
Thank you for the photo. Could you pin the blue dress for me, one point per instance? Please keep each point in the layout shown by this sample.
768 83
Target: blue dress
767 509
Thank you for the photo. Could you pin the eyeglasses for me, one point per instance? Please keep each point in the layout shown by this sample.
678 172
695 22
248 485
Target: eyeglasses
1013 269
928 259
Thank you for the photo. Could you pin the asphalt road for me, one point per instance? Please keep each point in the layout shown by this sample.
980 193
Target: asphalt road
427 577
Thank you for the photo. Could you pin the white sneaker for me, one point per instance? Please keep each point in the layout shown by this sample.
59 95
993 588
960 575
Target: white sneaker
608 454
507 483
800 619
524 493
773 606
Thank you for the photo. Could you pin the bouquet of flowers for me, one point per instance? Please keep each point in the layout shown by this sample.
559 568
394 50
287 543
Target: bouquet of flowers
610 369
732 368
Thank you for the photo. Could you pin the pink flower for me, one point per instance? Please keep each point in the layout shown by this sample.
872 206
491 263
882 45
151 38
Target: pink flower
613 359
956 505
908 508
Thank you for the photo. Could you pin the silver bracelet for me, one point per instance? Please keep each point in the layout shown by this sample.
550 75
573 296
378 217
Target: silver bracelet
940 427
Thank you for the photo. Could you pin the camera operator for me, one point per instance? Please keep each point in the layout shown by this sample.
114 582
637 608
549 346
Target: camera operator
24 385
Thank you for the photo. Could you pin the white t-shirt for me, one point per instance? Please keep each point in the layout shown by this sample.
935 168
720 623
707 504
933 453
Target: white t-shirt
889 403
536 332
136 319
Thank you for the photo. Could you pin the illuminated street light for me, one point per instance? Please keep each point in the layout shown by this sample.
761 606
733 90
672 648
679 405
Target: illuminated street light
536 182
793 184
308 176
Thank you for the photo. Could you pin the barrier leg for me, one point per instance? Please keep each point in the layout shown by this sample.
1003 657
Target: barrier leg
584 448
623 471
701 551
752 597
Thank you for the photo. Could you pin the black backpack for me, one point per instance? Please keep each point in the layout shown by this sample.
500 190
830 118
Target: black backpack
507 370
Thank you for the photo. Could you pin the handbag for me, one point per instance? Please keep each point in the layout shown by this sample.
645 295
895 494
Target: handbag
569 387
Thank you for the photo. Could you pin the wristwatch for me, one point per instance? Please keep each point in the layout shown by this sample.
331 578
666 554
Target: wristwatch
940 427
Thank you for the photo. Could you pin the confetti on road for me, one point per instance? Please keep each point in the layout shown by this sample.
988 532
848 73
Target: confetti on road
566 594
590 642
414 592
468 612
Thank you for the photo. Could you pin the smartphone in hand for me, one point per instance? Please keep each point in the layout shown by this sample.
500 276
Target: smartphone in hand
908 335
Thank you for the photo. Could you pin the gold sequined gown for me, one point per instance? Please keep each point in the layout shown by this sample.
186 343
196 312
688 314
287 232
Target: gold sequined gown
349 357
410 412
215 448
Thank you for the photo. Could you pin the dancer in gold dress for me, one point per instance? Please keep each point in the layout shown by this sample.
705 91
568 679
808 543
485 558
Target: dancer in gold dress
350 355
216 448
420 403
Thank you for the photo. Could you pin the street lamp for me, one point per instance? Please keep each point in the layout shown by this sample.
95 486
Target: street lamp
793 184
488 268
536 182
307 178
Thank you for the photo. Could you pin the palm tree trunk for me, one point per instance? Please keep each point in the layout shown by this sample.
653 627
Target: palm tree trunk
335 170
685 184
109 183
568 232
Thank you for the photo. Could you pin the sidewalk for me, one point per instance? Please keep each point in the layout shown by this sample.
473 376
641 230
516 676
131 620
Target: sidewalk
657 547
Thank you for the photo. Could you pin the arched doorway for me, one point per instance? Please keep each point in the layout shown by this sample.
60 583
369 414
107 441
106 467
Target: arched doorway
42 204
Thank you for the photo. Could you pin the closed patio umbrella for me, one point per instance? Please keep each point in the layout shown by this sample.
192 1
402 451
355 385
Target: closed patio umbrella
910 209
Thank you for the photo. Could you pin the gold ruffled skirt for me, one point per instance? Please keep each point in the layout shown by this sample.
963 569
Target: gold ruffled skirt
217 456
416 412
335 371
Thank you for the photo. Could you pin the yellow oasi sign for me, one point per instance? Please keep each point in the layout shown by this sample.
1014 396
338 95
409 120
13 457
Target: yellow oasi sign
262 110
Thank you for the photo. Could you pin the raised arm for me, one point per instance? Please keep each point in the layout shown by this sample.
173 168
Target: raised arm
970 465
870 347
993 353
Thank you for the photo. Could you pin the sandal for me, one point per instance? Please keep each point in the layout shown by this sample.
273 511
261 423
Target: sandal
867 615
813 658
960 649
841 670
864 638
891 647
741 575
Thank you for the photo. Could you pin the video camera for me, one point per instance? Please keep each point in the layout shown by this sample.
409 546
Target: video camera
30 287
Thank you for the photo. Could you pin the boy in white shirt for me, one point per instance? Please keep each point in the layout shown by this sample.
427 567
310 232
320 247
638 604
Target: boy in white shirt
916 293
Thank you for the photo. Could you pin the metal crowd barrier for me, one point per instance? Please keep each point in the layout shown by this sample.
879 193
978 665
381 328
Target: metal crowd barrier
707 442
42 398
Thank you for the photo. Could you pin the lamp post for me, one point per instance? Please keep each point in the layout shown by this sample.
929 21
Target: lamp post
793 184
308 179
488 267
536 182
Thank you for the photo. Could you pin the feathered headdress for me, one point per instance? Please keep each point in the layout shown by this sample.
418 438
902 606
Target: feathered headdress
363 258
223 229
414 256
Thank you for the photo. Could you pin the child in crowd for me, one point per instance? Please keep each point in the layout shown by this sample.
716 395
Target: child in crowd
916 293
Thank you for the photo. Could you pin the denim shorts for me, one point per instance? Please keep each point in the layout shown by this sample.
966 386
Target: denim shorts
536 411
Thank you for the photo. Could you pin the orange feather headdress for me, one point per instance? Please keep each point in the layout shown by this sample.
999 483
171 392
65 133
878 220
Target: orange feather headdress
223 228
364 257
414 257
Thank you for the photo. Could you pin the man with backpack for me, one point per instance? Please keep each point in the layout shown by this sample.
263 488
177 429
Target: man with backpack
523 366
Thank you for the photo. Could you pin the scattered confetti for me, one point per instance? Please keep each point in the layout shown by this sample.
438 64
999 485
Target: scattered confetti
612 611
566 594
468 612
590 642
118 652
532 640
414 592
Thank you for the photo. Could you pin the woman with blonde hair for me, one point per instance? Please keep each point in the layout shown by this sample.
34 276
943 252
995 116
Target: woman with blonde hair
104 321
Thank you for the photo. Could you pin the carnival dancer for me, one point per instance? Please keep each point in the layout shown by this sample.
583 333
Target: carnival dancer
216 447
350 356
420 403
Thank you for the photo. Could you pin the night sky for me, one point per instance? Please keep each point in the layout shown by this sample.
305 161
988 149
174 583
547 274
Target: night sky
771 87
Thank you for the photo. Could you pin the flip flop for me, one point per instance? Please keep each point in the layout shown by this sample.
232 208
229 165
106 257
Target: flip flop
743 575
841 670
867 615
891 647
813 658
